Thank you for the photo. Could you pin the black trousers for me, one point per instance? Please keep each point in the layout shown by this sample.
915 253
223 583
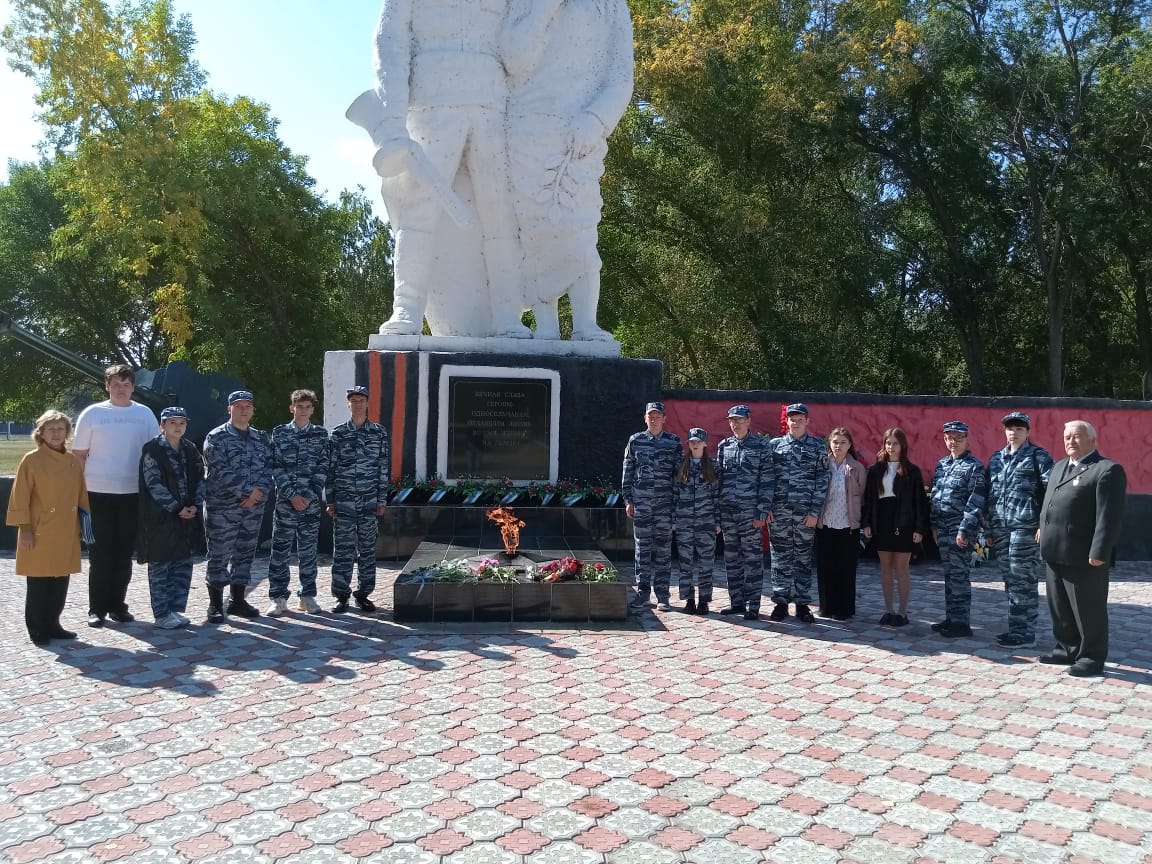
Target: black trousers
43 604
837 551
114 523
1078 606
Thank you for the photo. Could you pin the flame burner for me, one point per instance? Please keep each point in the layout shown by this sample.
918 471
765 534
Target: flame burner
510 526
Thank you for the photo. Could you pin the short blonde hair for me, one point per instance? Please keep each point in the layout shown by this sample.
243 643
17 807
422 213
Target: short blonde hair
50 416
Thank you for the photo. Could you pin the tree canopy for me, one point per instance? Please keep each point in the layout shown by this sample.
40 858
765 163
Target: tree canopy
887 195
170 222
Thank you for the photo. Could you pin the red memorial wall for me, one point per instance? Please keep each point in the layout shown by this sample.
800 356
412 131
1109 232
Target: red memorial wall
1125 434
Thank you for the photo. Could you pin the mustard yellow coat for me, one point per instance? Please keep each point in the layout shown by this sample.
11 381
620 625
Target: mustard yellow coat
48 490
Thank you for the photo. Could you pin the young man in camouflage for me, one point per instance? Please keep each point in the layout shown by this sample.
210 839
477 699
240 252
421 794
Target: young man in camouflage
356 490
651 458
958 489
800 472
237 478
744 470
299 469
1017 479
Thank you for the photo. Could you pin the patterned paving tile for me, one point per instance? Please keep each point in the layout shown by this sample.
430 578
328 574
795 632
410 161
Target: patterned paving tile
318 740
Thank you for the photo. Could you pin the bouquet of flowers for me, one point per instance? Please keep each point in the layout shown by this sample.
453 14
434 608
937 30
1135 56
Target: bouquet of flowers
563 570
490 570
448 571
598 571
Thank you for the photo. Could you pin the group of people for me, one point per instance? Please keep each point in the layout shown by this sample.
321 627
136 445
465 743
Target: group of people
148 492
817 498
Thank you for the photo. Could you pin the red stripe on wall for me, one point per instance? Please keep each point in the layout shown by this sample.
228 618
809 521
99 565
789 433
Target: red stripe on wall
399 405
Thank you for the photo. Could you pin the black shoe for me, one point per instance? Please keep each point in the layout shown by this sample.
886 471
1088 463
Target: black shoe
239 604
752 615
898 620
886 619
341 605
363 603
803 613
95 620
1056 658
121 617
734 609
955 631
779 612
1016 640
40 641
702 607
941 625
690 606
61 633
1086 669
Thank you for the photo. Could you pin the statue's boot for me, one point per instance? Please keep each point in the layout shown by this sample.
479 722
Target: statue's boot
413 260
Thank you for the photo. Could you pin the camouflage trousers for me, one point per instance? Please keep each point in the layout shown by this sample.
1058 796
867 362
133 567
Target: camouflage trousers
957 561
743 557
1018 556
793 549
653 535
232 532
168 584
299 530
354 545
696 547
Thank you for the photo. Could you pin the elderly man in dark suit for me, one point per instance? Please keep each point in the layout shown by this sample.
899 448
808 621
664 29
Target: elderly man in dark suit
1079 525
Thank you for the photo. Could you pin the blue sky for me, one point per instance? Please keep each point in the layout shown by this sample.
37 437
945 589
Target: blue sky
306 59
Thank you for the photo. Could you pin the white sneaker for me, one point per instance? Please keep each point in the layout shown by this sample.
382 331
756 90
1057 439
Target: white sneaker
279 607
309 605
171 621
184 619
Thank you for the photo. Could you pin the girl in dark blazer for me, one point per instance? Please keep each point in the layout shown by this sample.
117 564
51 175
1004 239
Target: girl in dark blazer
895 518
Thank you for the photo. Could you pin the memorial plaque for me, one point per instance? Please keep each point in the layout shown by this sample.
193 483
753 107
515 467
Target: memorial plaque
499 427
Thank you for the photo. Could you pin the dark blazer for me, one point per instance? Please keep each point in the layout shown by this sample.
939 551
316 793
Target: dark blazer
1083 512
911 501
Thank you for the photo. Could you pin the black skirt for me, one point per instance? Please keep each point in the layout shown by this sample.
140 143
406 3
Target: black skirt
888 537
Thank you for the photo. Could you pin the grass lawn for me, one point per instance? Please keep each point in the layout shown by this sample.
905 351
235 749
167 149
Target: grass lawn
11 451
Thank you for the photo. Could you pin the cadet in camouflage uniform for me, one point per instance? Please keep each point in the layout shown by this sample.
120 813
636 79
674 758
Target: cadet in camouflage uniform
299 468
1017 480
697 517
356 490
237 478
744 469
171 500
958 489
651 458
800 474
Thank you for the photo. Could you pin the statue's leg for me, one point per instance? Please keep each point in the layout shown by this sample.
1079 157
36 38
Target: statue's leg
547 316
584 295
487 160
413 258
416 215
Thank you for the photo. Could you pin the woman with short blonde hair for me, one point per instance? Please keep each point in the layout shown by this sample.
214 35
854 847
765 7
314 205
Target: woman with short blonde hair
44 506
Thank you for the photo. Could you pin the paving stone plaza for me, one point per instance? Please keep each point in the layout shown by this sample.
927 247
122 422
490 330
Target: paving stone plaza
669 739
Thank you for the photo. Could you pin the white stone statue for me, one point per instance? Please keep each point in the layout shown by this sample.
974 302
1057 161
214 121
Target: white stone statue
570 79
443 97
490 119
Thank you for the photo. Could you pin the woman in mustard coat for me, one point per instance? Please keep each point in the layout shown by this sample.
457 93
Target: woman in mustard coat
45 502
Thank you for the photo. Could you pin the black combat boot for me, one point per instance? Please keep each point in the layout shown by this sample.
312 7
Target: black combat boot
215 605
238 605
